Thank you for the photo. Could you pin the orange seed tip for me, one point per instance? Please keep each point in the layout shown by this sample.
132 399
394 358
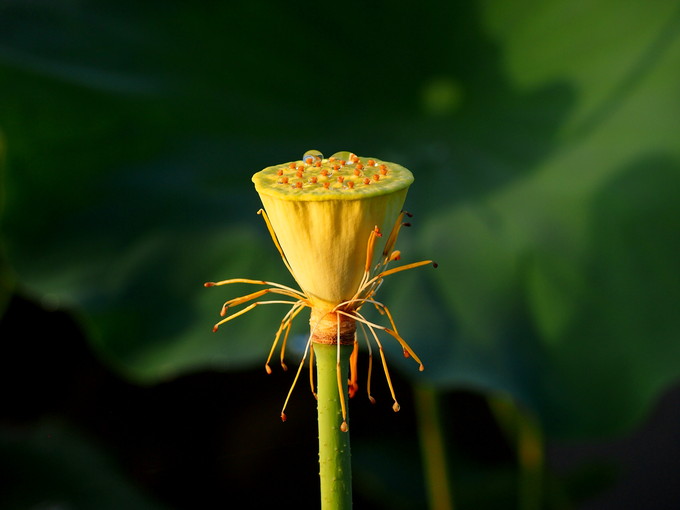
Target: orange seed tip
344 426
396 407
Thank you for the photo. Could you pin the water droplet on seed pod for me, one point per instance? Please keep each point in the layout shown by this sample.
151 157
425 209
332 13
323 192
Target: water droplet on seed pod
311 157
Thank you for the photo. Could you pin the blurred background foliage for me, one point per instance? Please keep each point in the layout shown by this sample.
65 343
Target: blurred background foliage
544 138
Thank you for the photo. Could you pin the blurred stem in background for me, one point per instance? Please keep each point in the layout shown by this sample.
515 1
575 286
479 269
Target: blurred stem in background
524 431
433 447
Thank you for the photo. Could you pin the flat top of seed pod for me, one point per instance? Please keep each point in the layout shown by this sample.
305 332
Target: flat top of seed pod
343 176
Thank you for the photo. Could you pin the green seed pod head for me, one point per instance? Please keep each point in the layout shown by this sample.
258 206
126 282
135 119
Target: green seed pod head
322 211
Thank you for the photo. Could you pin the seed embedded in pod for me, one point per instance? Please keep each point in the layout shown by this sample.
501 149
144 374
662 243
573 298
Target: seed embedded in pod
311 157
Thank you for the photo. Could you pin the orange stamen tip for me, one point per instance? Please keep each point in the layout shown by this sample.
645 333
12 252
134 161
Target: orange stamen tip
292 165
298 185
283 417
223 311
350 184
209 284
376 177
421 367
406 354
344 426
279 172
435 265
367 181
284 366
267 368
340 178
371 399
214 330
396 407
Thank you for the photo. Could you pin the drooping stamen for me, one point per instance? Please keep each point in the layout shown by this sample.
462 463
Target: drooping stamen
297 375
286 323
257 282
248 308
249 297
370 363
353 384
338 370
359 317
311 370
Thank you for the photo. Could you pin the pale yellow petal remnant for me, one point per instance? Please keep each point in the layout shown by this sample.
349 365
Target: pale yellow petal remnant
322 213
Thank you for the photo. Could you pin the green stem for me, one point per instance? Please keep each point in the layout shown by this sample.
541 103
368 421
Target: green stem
334 450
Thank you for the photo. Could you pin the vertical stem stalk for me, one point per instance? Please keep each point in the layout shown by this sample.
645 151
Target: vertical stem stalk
334 448
531 462
433 447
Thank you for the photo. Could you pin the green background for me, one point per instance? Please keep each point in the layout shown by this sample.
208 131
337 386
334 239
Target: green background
545 142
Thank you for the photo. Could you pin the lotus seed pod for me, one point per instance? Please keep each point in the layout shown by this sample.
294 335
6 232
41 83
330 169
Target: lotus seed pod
323 210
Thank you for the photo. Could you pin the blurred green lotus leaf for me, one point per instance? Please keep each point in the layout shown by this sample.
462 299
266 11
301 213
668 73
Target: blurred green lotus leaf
543 139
